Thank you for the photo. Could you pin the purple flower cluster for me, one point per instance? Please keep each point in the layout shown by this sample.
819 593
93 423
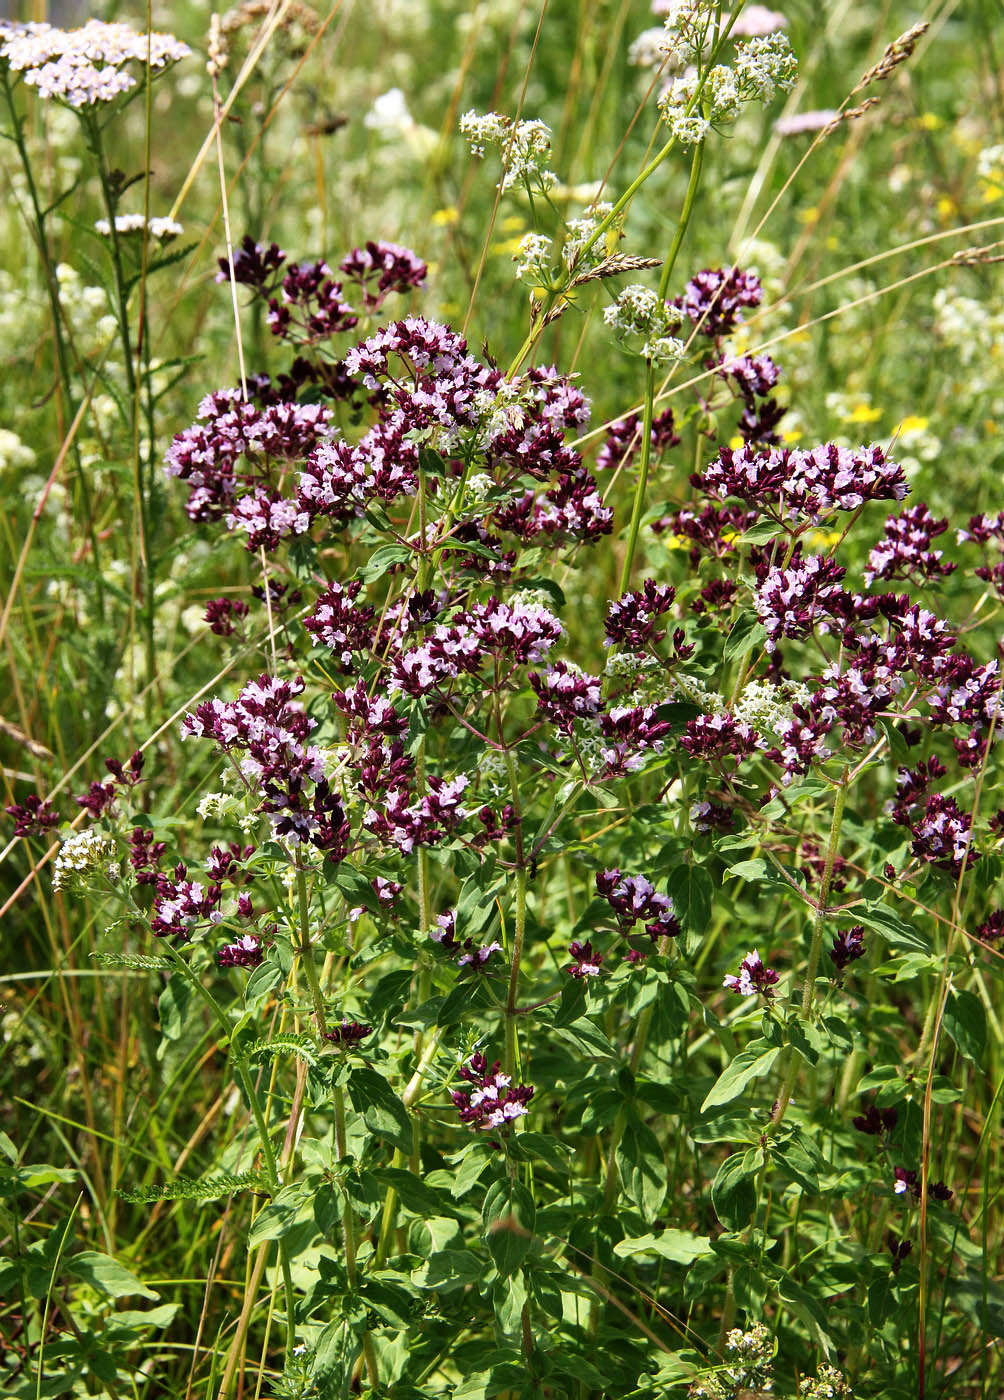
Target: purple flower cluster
246 952
270 728
305 301
715 299
564 695
875 1121
905 550
492 1101
943 835
224 615
716 737
630 735
631 618
623 440
799 600
586 961
32 817
380 268
181 904
848 946
348 1034
752 377
787 484
384 777
100 797
512 634
339 623
634 899
753 977
237 447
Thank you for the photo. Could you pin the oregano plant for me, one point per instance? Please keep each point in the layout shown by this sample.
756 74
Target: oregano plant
562 868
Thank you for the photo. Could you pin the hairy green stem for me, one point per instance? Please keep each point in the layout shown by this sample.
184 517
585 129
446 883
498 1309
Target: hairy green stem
307 953
641 489
511 1010
815 948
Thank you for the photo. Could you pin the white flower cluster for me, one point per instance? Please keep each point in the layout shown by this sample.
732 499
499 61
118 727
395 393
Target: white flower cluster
578 233
990 164
688 127
533 258
751 1353
640 314
761 67
84 856
764 705
525 147
84 66
647 50
652 684
764 67
162 229
974 331
686 27
827 1384
501 410
13 452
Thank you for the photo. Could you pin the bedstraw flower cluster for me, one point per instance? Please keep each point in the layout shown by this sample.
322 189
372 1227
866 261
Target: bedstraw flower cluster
524 146
642 321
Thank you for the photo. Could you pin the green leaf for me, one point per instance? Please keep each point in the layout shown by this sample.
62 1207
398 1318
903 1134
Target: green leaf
733 1191
508 1216
277 1218
680 1246
966 1022
414 1193
471 1168
173 1005
642 1167
265 976
335 1354
383 1112
130 1320
751 1063
448 1270
690 888
353 885
807 1039
31 1178
891 927
106 1274
509 1296
747 632
763 533
381 560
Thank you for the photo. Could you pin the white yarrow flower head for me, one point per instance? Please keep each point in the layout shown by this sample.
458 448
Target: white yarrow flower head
525 147
86 66
162 229
84 857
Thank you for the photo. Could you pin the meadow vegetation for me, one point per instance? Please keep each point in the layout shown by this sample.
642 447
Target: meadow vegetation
503 566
